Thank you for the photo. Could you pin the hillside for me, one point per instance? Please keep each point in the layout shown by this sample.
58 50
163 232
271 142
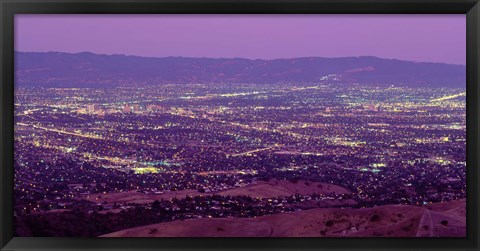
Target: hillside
87 69
261 189
441 219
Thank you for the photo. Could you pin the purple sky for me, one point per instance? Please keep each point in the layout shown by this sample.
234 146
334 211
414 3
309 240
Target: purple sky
429 38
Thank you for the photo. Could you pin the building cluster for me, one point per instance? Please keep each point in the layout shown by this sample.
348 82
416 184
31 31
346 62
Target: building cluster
388 145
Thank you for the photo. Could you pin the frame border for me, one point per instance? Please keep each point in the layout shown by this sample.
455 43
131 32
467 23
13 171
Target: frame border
8 8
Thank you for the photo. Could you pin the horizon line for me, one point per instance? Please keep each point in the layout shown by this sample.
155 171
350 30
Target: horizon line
244 58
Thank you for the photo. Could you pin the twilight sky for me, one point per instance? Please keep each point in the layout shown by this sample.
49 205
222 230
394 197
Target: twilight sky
428 38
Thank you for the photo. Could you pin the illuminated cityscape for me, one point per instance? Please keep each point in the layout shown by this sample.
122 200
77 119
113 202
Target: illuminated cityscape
202 150
206 125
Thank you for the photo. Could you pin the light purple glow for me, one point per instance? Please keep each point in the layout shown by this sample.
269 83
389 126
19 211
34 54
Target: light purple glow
429 38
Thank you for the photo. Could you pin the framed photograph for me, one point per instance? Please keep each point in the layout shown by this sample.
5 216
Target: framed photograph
214 125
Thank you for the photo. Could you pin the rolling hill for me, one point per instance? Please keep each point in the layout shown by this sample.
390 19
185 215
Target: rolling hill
56 69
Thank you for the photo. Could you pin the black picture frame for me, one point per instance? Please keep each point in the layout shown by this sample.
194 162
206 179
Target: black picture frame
8 8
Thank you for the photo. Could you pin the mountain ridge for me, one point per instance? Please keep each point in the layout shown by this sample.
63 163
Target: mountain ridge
250 59
87 68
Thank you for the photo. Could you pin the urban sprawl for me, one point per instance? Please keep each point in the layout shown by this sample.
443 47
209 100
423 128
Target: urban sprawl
189 150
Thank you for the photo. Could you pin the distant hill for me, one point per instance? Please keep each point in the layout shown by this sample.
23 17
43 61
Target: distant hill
257 189
88 69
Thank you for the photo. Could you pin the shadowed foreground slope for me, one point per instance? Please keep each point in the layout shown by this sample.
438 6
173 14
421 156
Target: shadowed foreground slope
435 220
